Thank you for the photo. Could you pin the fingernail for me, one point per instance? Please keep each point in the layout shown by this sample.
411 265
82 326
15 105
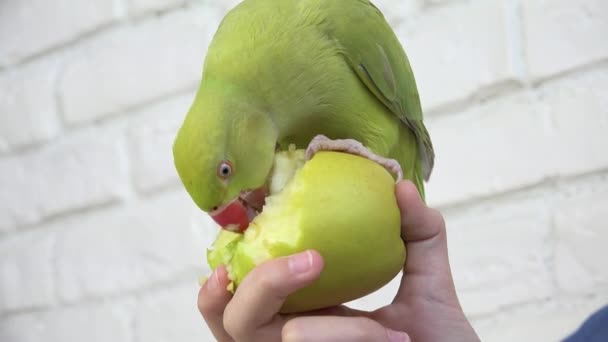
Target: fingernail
397 336
300 263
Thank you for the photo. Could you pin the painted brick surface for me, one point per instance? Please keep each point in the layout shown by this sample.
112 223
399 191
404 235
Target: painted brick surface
522 139
571 32
127 250
100 242
151 138
76 173
30 27
28 106
551 321
458 50
130 65
581 249
143 7
102 322
177 302
27 272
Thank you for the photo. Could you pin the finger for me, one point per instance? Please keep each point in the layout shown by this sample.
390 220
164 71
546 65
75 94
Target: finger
418 222
423 230
338 329
212 300
340 310
262 293
427 269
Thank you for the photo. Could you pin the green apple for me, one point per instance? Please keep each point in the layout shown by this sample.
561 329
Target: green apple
339 204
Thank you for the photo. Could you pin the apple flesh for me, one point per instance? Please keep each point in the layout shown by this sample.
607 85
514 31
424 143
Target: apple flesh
342 206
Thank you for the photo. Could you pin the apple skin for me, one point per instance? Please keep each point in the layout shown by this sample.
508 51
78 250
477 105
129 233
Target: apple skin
342 206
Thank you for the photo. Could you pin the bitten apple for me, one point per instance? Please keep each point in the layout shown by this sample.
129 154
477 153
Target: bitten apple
342 206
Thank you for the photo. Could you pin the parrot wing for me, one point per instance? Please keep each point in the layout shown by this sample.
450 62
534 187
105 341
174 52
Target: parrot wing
373 51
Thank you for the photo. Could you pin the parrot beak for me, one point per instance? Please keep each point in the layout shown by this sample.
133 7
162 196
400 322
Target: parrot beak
232 216
238 213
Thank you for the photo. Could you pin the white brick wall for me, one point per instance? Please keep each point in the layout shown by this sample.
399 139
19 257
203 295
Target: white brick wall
581 236
562 35
27 272
95 322
467 41
27 104
29 28
77 172
99 242
132 64
151 140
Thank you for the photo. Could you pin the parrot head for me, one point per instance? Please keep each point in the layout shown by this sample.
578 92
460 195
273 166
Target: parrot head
224 153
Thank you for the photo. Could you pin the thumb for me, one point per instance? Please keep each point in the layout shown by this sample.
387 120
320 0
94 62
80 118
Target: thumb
427 270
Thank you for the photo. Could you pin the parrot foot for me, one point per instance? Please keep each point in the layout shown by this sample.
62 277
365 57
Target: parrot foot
323 143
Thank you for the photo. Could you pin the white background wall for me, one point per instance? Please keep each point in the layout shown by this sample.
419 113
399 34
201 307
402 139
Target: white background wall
99 242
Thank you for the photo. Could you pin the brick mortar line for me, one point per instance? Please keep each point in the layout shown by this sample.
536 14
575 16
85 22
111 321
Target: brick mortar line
590 67
481 95
559 299
537 189
477 98
183 278
62 47
124 19
511 87
179 279
112 118
542 186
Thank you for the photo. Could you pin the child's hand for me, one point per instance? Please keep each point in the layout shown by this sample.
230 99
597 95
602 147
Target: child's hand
425 308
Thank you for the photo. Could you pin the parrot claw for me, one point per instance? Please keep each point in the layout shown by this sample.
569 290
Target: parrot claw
323 143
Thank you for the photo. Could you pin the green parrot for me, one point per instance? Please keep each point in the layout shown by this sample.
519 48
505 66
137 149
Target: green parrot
320 74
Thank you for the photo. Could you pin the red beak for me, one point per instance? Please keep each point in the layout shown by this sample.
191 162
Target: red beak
232 215
237 214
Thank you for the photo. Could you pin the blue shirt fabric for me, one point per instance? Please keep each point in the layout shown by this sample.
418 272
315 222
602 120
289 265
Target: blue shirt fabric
595 328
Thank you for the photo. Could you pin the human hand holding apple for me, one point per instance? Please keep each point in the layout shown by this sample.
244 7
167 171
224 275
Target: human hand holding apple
425 308
342 206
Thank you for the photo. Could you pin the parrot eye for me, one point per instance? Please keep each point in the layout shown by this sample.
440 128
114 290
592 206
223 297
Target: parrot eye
224 171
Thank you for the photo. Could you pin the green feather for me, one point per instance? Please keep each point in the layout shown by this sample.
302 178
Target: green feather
300 68
377 57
